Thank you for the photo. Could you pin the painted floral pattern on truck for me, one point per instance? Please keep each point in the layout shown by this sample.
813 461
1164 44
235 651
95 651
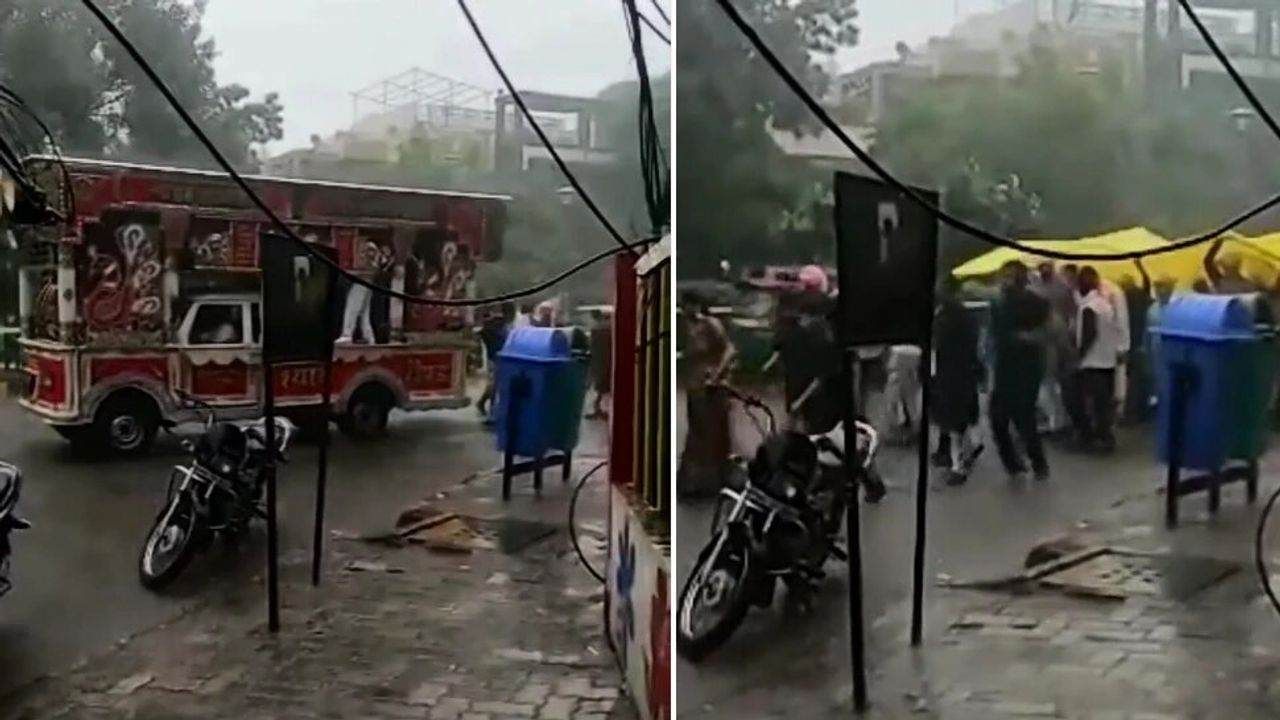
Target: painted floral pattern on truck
120 283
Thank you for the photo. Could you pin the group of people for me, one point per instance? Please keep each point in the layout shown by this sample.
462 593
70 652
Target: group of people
1065 351
1068 351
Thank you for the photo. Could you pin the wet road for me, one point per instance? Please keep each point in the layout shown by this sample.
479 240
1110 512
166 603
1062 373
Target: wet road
982 529
75 573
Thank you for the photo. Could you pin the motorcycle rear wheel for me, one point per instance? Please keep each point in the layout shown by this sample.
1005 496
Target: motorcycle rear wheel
722 578
170 544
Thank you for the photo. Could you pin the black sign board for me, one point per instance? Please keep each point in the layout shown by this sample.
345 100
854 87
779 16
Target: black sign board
298 291
886 252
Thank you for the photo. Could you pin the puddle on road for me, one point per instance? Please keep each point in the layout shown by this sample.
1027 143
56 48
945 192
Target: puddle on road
434 528
1121 575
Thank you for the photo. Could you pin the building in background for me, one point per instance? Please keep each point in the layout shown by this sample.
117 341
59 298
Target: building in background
570 122
1148 40
425 120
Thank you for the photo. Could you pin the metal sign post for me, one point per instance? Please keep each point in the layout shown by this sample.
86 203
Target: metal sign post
883 242
326 411
269 469
298 298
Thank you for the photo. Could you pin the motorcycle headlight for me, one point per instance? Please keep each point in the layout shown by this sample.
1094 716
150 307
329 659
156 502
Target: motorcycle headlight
789 489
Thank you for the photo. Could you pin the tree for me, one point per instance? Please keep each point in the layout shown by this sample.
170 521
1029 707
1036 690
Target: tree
735 186
97 101
1087 146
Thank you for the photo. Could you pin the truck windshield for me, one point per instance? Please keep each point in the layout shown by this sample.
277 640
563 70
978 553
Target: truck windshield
218 325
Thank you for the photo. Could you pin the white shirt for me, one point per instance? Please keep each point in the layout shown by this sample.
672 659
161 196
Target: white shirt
1105 350
1120 306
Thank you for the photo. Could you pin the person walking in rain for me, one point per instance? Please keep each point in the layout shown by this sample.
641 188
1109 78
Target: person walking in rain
707 446
1019 318
1099 336
957 375
1164 293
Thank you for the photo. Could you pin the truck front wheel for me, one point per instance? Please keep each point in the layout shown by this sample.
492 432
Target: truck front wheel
126 424
367 413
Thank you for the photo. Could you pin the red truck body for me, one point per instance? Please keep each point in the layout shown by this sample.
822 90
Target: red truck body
155 293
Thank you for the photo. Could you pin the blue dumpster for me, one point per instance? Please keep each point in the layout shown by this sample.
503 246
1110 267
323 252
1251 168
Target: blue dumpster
541 381
1213 342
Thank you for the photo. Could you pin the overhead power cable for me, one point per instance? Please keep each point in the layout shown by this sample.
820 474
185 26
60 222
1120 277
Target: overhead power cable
942 215
653 158
284 229
1230 68
11 154
654 28
665 17
537 129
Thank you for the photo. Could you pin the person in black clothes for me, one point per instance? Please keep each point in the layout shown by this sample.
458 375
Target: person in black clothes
1138 298
493 335
958 372
815 388
1018 322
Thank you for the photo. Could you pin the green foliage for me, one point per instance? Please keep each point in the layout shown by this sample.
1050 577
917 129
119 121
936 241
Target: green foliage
734 185
1087 146
99 103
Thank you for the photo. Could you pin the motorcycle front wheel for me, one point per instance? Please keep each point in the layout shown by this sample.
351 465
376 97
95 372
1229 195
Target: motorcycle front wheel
714 600
170 544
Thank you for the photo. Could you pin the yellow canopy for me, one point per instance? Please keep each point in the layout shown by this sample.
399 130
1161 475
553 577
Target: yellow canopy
1120 241
1260 257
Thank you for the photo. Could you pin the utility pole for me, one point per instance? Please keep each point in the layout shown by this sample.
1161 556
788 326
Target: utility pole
1150 49
1175 43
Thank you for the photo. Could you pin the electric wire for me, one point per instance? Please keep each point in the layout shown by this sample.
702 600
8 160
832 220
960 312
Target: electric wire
288 232
537 128
942 215
653 28
661 12
1259 561
573 529
11 155
1230 68
653 158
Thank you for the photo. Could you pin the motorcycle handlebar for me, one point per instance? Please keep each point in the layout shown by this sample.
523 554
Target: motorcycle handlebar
748 401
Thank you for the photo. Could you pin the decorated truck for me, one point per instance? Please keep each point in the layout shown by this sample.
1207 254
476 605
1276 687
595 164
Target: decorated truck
148 303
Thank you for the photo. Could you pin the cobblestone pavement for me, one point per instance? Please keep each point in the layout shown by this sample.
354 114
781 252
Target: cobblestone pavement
1212 655
391 633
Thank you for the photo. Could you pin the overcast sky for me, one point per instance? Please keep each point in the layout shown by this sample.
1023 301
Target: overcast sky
316 52
886 22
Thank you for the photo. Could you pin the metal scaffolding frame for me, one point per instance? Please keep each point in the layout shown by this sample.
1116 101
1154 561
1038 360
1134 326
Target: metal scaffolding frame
431 96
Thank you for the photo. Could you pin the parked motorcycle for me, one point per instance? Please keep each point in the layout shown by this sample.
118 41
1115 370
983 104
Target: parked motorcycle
10 489
779 518
217 494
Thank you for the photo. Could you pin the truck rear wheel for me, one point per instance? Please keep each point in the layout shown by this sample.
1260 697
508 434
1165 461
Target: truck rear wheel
126 424
367 413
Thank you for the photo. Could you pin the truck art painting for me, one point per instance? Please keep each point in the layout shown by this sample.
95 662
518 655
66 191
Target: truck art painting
152 296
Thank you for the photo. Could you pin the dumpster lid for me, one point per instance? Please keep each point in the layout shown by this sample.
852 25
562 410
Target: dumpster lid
538 344
1208 317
